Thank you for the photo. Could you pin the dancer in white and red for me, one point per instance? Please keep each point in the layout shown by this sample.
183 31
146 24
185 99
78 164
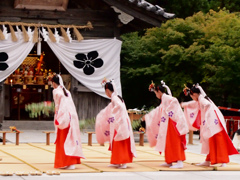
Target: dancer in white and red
68 141
203 114
113 125
166 127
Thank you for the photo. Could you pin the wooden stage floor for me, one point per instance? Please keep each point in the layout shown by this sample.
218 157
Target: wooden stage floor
38 158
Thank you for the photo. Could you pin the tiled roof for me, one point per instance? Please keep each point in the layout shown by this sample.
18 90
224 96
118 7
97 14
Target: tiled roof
153 8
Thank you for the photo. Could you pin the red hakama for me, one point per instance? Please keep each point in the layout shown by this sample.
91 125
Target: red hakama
175 144
61 159
121 152
220 147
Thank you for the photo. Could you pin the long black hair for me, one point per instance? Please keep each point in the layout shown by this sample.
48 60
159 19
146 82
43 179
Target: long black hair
160 88
55 79
197 90
109 86
194 90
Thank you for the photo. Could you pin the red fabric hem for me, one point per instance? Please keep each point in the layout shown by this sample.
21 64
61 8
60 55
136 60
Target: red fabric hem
220 147
175 144
231 149
61 159
121 151
69 164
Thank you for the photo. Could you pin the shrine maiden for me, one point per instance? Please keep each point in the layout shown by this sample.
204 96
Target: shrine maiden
203 114
68 141
166 127
113 125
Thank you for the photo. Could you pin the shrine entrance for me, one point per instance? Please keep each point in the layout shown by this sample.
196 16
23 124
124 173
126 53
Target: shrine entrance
28 89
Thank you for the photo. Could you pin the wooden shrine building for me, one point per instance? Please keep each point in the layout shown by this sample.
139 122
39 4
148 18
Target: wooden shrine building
107 18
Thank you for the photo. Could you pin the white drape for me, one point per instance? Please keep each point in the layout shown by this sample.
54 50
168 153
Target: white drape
89 61
12 54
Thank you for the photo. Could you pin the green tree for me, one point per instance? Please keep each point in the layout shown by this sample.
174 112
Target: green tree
203 48
183 8
231 5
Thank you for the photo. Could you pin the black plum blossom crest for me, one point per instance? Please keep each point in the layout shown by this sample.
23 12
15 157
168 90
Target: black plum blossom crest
88 62
3 58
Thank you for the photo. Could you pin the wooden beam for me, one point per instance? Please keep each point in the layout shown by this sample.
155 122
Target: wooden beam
43 21
60 5
103 19
10 19
95 23
105 22
72 14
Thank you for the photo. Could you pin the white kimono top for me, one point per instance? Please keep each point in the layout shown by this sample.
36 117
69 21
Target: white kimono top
157 121
114 118
209 117
66 115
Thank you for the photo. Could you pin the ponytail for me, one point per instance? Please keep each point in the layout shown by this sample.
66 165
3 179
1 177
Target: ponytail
56 79
120 98
65 92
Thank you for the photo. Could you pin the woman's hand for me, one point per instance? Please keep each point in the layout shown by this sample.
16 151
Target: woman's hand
143 118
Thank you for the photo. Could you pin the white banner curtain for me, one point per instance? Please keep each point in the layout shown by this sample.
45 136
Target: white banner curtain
90 61
12 54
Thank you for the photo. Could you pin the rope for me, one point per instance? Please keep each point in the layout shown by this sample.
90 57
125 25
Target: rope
87 26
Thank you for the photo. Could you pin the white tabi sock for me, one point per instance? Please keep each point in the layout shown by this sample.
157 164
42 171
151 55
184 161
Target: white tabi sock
71 167
178 165
223 165
166 164
205 163
123 166
114 165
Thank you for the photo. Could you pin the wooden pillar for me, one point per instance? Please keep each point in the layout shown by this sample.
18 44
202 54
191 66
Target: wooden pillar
190 136
89 138
47 138
117 26
141 139
18 101
2 102
4 138
17 138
